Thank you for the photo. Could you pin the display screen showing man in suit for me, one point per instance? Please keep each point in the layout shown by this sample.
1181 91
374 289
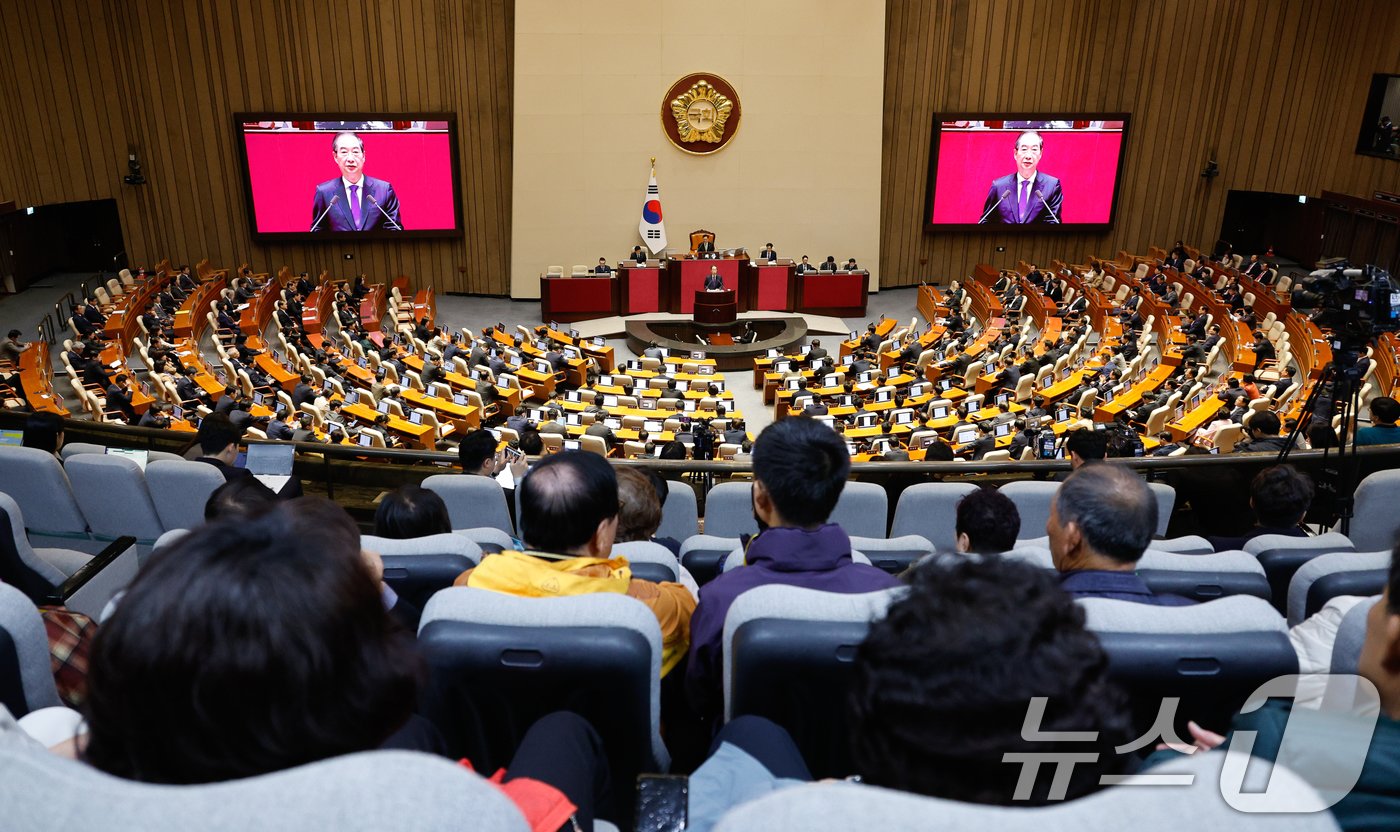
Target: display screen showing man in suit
1026 196
354 201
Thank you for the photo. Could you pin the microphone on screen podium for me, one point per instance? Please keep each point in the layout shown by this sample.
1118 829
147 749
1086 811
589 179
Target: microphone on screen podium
1046 204
1004 195
334 200
397 227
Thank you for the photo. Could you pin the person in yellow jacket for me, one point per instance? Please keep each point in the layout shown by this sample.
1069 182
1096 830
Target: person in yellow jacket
568 517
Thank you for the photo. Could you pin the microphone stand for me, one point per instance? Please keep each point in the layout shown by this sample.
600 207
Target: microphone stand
1004 195
397 227
334 200
1047 207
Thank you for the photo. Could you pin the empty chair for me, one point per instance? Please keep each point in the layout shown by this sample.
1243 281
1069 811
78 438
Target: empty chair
113 496
729 510
180 490
1203 577
35 571
350 792
862 509
39 486
704 555
1211 655
1032 501
1376 524
930 510
788 656
1282 556
26 674
1328 576
649 561
1188 545
837 806
417 567
498 662
472 501
1351 634
1166 501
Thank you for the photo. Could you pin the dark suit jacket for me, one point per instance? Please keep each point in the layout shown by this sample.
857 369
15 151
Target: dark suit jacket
768 255
803 268
639 257
341 218
705 247
714 281
602 269
1037 211
119 399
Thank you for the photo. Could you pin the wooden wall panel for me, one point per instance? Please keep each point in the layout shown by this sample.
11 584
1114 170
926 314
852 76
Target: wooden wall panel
94 78
1272 89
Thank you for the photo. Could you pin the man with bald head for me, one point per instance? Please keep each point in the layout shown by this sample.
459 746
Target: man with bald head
1101 521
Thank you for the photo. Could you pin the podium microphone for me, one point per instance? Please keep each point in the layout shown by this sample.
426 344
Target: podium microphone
397 227
1047 205
334 200
1004 195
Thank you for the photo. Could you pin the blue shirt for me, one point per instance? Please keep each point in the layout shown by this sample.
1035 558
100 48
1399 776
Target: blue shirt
1379 435
1120 586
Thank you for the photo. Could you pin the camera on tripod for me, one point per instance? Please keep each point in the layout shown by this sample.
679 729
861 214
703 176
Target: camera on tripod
1352 302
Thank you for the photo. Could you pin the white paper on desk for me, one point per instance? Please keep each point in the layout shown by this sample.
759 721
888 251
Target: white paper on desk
240 307
272 481
506 477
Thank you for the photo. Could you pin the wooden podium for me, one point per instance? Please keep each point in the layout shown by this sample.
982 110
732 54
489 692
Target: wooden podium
717 307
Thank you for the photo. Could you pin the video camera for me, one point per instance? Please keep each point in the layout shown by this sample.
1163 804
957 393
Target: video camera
1353 302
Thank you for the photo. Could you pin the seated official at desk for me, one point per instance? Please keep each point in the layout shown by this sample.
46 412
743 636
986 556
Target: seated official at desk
602 267
851 265
218 440
705 247
714 282
829 265
768 254
804 267
638 256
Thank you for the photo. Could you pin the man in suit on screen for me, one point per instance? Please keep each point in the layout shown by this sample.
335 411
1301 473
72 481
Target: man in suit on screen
356 202
1026 196
714 282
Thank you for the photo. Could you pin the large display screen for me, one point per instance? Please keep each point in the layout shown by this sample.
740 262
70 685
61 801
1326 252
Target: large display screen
336 176
1028 172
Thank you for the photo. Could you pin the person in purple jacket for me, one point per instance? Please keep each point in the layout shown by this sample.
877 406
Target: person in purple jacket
799 469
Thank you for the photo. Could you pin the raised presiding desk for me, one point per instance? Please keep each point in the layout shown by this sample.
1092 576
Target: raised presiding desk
671 286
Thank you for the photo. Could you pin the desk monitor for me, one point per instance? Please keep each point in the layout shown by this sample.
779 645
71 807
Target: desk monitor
831 380
11 437
945 384
350 398
792 383
940 412
865 420
646 404
697 355
1003 398
773 353
383 407
883 396
706 370
599 341
847 360
572 445
363 364
782 366
847 401
177 412
855 336
273 460
415 418
544 368
964 434
1180 412
613 422
1064 414
865 377
639 392
925 441
610 401
554 325
904 417
1002 429
852 449
718 385
459 399
573 419
364 440
573 353
653 426
257 398
688 404
572 396
139 457
505 380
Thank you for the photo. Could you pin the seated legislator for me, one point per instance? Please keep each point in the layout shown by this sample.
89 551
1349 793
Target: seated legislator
638 256
804 267
706 246
1101 521
851 265
569 518
218 440
829 264
800 467
714 281
768 254
602 267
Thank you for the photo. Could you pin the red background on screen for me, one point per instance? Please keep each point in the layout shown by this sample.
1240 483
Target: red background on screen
1085 162
286 167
